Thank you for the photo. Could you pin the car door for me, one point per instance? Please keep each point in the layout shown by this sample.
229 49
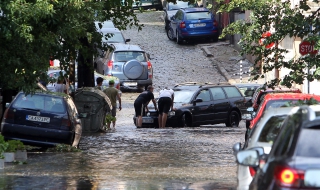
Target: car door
221 104
236 99
202 111
175 22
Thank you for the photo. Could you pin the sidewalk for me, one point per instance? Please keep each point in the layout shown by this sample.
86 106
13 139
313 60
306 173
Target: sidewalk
228 61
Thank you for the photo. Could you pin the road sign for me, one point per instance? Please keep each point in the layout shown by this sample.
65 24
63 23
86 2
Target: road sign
264 36
307 47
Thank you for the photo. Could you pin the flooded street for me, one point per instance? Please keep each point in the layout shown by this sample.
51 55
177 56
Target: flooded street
128 158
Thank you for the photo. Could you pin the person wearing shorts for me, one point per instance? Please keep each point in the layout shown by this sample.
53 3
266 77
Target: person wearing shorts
113 95
142 102
166 98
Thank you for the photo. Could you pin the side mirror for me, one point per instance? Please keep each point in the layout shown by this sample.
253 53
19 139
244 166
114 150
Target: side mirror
248 158
197 100
127 40
312 178
236 148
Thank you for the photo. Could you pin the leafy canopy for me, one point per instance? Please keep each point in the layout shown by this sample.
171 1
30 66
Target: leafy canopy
31 31
284 20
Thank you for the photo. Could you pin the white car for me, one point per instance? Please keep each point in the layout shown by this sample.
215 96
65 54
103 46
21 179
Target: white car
262 135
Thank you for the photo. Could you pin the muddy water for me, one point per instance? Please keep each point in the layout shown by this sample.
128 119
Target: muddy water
130 158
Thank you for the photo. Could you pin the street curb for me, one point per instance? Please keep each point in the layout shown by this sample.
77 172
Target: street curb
218 64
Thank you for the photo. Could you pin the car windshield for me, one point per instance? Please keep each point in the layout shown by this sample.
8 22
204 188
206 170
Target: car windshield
271 129
113 38
198 15
180 4
183 96
40 102
124 56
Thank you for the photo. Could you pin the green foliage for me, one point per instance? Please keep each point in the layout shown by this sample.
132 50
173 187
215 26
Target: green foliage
308 102
14 145
285 20
3 146
109 118
63 148
33 31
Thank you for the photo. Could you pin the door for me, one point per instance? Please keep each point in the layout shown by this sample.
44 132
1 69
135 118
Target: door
202 111
175 22
221 105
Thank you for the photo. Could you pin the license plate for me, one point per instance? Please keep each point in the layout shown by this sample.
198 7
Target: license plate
130 84
38 118
199 25
147 120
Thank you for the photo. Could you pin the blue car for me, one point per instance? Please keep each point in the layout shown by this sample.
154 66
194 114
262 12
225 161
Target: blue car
193 23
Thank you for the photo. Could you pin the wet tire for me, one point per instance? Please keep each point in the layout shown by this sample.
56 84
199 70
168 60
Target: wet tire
233 119
247 124
170 34
185 121
215 38
178 39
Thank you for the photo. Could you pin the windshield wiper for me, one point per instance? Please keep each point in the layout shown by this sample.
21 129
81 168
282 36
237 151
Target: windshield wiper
30 109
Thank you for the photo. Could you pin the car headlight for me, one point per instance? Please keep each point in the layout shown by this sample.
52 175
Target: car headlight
246 116
171 113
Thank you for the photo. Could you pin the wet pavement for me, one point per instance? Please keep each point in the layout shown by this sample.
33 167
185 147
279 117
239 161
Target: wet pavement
128 158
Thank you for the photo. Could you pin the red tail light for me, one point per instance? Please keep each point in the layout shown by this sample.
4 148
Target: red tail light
288 177
65 123
215 23
252 171
8 114
150 74
110 64
182 24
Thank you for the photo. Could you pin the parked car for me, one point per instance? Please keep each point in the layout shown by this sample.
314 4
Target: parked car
193 23
54 74
263 135
112 35
147 4
129 63
200 104
276 101
294 152
258 96
42 119
171 8
248 89
105 24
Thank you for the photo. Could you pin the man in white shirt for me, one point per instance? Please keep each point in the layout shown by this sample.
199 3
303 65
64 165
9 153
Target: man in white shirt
166 98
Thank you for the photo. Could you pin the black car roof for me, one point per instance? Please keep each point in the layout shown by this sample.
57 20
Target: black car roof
196 85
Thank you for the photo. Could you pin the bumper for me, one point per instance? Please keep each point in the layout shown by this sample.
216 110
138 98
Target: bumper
134 84
36 136
196 35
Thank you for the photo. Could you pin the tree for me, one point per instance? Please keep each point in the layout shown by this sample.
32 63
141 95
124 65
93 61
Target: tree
33 31
286 20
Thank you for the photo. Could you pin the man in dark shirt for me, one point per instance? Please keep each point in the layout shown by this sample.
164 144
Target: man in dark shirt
142 102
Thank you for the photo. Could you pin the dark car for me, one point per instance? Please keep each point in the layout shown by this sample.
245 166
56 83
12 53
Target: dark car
193 23
171 8
129 63
294 151
248 89
200 104
42 119
147 4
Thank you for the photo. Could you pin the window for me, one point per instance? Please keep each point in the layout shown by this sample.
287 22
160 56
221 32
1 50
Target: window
271 129
124 56
217 93
198 15
204 95
308 142
179 15
232 92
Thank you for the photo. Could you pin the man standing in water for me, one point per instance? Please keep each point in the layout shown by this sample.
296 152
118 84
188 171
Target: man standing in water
166 98
113 94
142 102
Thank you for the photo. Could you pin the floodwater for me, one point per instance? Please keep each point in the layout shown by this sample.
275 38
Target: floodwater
129 158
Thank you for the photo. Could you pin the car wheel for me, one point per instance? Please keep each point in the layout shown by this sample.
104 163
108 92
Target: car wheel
215 38
179 41
185 121
247 124
233 119
170 33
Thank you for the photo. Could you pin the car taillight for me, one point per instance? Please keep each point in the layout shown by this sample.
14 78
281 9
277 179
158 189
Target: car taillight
215 23
150 74
65 123
288 177
110 64
182 24
8 114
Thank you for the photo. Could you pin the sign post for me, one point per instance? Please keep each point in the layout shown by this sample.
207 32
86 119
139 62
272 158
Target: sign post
305 48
